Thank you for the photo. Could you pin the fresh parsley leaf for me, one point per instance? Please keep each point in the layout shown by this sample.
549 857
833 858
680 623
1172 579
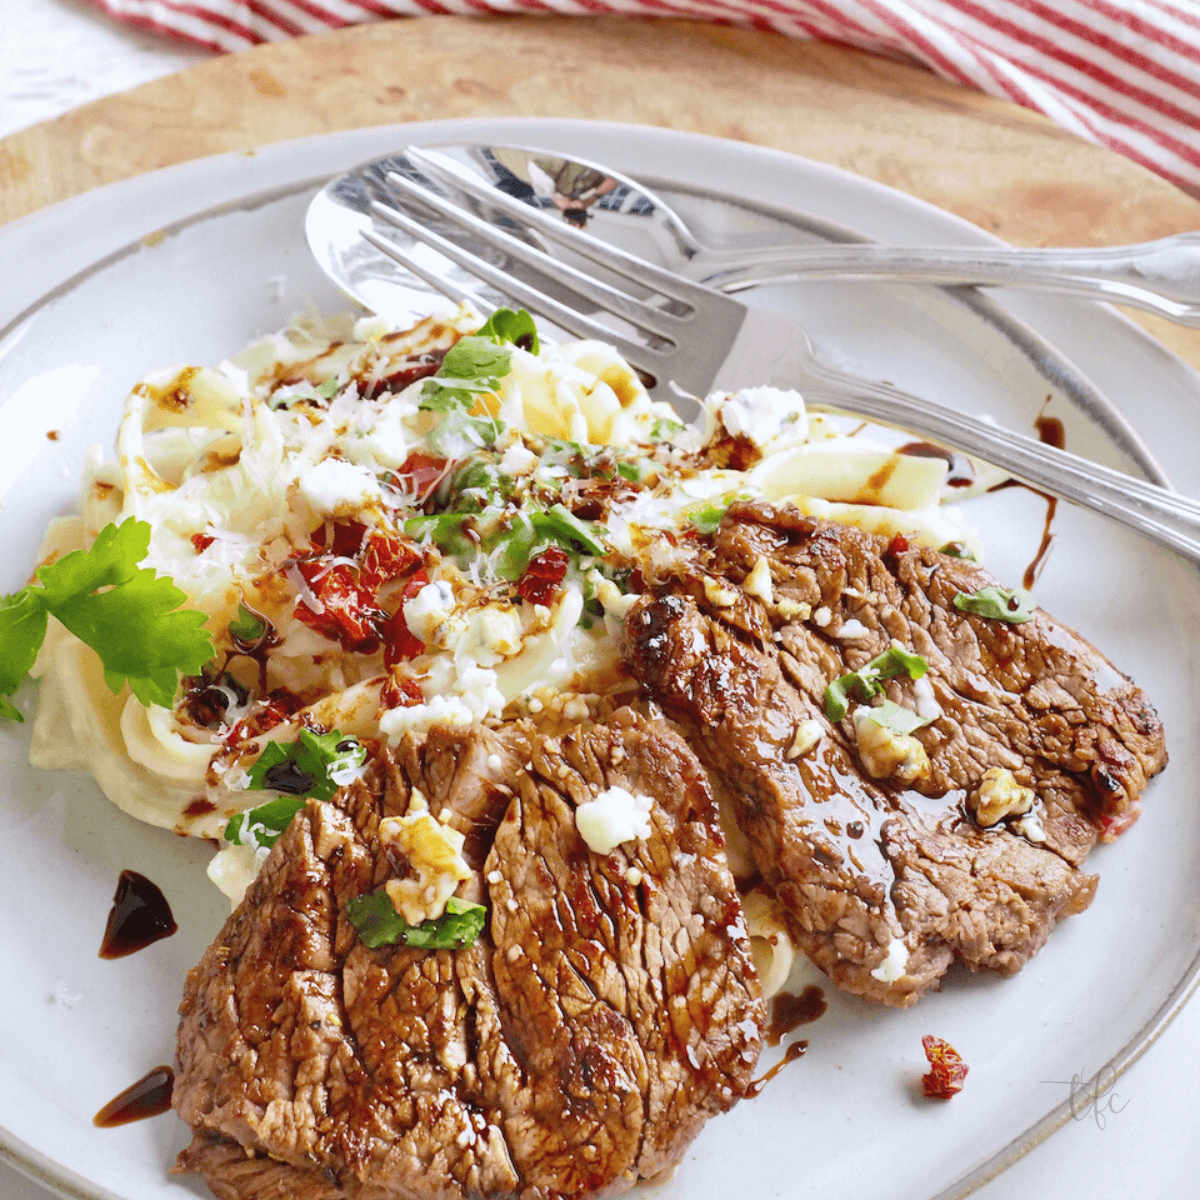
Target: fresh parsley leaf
247 627
378 924
1014 605
450 395
135 625
504 325
22 630
867 682
475 360
264 825
457 427
895 717
316 765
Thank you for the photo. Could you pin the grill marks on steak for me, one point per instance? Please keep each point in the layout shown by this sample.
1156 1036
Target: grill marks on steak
740 676
577 1046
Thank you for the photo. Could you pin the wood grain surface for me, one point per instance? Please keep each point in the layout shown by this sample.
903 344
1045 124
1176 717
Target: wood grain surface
1006 169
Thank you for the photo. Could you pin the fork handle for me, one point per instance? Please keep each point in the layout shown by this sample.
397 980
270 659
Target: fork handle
1161 277
1162 516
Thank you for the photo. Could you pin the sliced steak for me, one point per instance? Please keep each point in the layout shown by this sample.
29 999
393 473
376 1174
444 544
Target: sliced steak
886 884
609 1008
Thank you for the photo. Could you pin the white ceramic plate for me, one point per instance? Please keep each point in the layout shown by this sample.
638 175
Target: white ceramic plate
88 307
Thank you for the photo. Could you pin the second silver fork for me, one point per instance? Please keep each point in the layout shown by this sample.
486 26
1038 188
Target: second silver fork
694 340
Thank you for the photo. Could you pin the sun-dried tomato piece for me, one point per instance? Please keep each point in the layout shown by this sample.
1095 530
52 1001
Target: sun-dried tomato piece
277 708
408 370
347 538
543 576
400 692
386 557
898 545
420 473
349 613
202 541
946 1069
399 642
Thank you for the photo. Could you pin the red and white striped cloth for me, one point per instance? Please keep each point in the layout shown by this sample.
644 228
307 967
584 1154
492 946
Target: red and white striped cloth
1122 73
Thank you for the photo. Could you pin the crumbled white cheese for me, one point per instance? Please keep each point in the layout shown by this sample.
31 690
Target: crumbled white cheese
794 610
892 967
615 602
852 630
769 418
758 582
613 817
808 734
717 594
434 854
1000 795
338 488
429 610
494 762
1030 828
517 460
928 709
886 754
822 617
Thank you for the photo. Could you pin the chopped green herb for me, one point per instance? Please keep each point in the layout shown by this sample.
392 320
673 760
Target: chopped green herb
316 765
328 389
445 530
895 717
867 682
136 625
636 471
1013 605
664 429
247 627
504 325
707 518
957 550
379 924
562 525
516 546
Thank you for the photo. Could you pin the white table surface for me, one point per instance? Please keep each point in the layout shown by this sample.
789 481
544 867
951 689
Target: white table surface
56 54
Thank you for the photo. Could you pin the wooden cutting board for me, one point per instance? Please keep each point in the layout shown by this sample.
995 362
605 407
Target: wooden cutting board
1006 169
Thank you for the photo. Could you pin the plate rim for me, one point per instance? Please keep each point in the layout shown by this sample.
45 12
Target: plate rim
34 1163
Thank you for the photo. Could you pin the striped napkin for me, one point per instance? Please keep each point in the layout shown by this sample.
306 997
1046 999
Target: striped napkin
1121 73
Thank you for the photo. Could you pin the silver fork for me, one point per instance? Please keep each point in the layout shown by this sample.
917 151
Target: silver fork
697 340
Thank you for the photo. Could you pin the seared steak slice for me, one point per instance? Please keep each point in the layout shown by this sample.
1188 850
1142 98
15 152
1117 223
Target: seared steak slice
609 1008
863 863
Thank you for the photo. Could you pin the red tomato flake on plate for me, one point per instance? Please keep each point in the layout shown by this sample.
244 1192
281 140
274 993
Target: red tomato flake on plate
202 541
898 545
946 1069
542 577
